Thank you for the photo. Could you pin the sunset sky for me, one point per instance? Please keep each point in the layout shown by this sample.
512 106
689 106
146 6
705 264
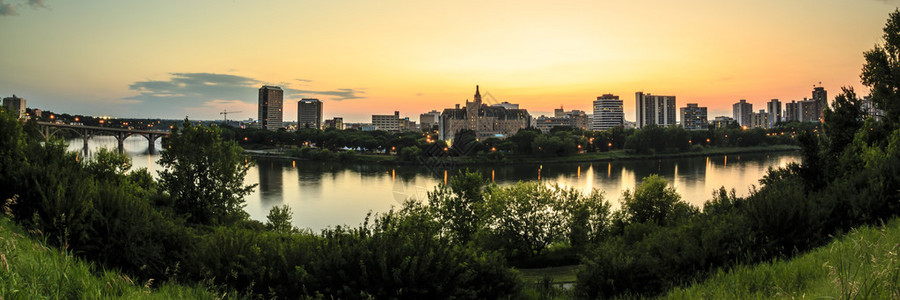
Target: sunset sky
171 59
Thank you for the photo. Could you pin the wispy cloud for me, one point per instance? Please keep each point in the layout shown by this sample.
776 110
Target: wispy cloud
336 95
10 9
193 89
7 9
38 4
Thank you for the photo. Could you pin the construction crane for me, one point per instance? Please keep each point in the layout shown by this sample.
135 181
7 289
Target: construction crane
225 113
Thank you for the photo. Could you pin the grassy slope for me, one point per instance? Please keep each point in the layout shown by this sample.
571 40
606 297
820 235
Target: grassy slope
863 264
31 270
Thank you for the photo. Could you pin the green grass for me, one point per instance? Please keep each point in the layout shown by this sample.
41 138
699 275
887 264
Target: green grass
863 264
31 270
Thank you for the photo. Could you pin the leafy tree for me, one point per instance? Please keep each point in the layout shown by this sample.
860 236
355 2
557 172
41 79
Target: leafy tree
523 139
13 142
524 219
279 219
842 120
108 164
204 174
654 201
459 205
881 73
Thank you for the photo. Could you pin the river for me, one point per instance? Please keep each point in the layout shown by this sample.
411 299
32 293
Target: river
326 194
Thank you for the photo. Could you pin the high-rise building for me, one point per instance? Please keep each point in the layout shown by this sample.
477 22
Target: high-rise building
387 122
820 96
271 104
608 112
792 111
652 109
810 111
774 107
428 121
487 121
742 111
759 120
309 113
693 117
15 105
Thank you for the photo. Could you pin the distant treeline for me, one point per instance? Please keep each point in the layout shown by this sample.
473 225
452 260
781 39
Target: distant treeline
561 141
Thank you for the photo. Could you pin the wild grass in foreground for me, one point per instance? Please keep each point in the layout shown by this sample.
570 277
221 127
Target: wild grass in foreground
863 264
31 270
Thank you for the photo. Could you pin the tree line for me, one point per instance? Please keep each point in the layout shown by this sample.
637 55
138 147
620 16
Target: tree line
335 144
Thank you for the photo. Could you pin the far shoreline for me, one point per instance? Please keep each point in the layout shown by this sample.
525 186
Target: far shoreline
616 155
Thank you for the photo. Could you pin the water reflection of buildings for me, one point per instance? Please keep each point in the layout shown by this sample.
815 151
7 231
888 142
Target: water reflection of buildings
271 176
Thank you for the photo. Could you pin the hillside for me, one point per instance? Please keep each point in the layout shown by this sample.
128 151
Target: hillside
31 270
864 263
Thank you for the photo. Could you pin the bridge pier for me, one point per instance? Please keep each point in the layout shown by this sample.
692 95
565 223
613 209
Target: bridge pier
120 137
151 138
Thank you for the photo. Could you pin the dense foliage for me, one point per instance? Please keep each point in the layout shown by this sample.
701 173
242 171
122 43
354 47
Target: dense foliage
204 174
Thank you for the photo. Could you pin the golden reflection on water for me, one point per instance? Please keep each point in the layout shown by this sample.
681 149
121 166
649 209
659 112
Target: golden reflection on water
325 194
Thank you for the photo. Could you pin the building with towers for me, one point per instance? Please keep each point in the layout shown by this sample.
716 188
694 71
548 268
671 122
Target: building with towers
485 120
271 105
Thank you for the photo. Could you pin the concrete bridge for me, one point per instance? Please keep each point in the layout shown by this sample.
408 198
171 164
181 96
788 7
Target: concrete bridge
87 132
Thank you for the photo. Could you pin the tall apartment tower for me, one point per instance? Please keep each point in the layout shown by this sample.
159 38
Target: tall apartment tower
820 96
694 117
271 104
608 113
309 113
792 111
653 109
774 107
15 105
742 111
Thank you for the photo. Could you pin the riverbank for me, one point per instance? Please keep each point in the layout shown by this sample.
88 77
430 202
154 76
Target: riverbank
616 155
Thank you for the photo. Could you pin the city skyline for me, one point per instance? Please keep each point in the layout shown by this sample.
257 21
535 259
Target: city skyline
154 60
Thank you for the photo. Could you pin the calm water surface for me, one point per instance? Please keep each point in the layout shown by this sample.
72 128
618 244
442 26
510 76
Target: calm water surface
328 194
